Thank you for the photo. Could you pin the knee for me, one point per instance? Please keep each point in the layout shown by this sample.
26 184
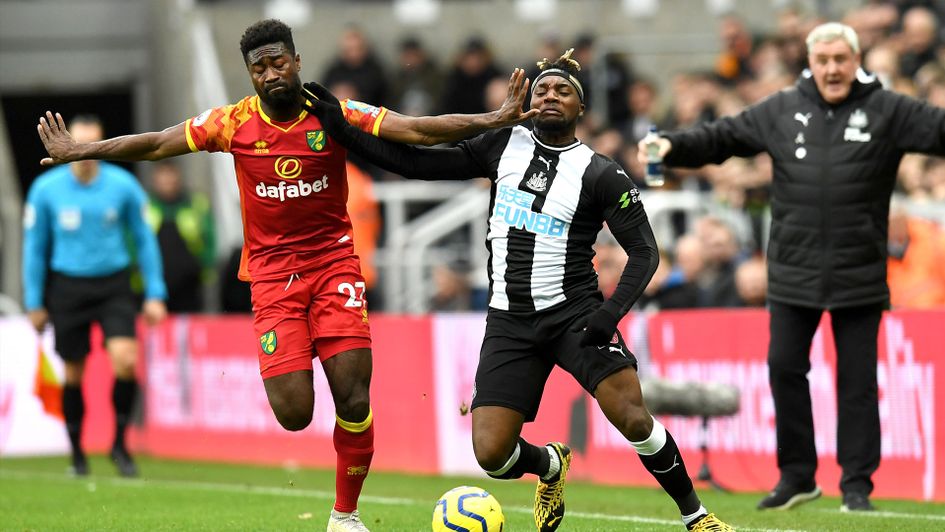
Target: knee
74 372
491 454
125 369
293 419
354 405
293 413
636 423
781 362
354 410
124 358
640 425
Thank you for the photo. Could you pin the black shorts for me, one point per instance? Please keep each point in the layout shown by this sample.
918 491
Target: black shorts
520 349
75 302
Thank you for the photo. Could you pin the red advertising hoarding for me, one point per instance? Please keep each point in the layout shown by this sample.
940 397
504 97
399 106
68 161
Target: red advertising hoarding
203 399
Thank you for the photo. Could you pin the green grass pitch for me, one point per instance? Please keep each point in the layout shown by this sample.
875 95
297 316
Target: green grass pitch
37 494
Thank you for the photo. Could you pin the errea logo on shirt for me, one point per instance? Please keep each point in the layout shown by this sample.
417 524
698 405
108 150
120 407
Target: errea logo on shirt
283 190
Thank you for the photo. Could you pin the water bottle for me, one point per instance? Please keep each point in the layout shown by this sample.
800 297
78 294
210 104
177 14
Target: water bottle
654 161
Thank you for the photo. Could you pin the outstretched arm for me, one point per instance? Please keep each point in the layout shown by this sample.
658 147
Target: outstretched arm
404 159
431 130
62 148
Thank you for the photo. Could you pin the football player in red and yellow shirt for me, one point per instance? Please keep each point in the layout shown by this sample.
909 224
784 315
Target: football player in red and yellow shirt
307 287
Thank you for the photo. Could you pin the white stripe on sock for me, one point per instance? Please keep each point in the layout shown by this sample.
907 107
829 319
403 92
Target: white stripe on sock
689 519
508 465
654 442
554 465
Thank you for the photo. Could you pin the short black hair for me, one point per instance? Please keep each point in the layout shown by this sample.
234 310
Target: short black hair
266 32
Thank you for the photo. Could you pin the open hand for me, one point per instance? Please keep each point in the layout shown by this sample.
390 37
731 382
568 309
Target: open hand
511 111
59 143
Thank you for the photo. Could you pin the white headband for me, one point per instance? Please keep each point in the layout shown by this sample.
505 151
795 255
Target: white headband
564 74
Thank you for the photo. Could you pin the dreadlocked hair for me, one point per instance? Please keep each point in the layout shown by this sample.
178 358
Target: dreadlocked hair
571 66
267 31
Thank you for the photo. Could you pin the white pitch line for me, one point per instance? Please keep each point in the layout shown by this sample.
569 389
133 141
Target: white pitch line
893 515
327 495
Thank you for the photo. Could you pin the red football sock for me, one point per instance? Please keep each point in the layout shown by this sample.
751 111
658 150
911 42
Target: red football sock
354 443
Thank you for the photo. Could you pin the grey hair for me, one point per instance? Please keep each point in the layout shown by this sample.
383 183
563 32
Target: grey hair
832 31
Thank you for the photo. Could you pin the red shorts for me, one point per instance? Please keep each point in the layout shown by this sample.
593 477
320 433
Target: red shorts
316 313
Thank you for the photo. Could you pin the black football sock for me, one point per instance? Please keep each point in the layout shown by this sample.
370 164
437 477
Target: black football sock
662 459
73 409
123 398
526 458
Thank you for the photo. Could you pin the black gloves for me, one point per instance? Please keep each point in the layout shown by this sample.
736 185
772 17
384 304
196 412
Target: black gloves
599 328
322 103
313 92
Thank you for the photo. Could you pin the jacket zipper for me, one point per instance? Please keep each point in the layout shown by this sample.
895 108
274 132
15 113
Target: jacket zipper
826 264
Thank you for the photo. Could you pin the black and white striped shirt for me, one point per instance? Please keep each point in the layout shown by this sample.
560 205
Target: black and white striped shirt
548 205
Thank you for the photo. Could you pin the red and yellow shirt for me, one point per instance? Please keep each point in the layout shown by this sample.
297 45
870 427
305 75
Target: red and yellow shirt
292 183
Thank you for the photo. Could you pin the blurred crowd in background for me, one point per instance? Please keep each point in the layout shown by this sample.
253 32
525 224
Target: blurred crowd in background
708 263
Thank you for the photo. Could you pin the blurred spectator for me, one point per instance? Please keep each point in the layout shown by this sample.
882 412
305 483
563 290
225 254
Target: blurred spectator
919 40
873 22
934 181
451 288
790 38
934 91
915 271
609 260
642 100
465 86
183 223
751 282
616 78
883 60
928 75
694 95
719 250
356 64
609 143
910 177
690 258
668 288
733 63
417 82
922 178
496 91
365 217
634 168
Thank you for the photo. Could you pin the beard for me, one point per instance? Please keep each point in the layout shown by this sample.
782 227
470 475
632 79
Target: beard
553 125
284 99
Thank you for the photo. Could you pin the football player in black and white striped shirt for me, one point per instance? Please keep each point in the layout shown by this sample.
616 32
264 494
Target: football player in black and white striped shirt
551 195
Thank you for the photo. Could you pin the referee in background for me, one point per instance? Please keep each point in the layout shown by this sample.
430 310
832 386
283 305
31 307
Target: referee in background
75 272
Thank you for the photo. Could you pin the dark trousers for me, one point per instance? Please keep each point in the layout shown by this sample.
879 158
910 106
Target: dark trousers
855 331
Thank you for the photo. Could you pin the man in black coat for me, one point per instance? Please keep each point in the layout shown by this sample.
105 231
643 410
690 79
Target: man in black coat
836 140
